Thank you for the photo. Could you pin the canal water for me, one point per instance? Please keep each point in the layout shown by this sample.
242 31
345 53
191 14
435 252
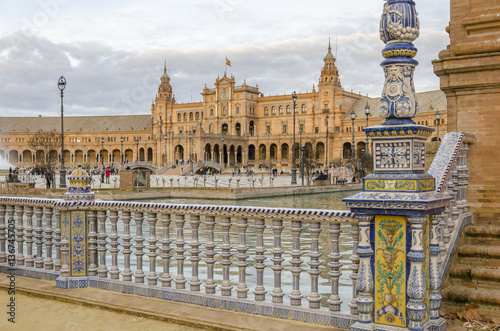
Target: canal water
330 201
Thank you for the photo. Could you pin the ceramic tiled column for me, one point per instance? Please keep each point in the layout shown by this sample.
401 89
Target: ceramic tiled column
394 247
74 231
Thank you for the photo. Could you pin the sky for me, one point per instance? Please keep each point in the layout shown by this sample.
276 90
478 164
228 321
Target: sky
112 53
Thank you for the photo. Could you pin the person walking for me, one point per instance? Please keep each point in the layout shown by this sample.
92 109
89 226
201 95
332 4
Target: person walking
108 174
47 179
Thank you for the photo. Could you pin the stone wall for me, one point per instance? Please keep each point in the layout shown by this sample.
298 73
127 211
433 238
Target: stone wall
469 70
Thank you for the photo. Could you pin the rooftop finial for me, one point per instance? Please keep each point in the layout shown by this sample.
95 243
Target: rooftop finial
329 45
165 67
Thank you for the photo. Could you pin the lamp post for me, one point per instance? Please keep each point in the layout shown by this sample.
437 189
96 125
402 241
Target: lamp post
353 117
294 170
121 149
362 152
165 136
438 119
190 153
102 153
222 153
137 149
61 84
303 148
326 151
301 173
367 113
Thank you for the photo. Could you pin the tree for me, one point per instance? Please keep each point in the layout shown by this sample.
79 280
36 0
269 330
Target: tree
45 145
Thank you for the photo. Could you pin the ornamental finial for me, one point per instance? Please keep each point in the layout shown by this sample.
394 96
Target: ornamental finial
399 27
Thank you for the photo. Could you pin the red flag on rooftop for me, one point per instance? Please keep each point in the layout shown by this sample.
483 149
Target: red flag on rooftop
228 63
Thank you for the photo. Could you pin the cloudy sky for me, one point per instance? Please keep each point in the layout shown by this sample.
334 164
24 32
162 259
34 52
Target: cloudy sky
112 52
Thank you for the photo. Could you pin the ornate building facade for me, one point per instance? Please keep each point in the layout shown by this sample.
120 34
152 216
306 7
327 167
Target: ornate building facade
233 125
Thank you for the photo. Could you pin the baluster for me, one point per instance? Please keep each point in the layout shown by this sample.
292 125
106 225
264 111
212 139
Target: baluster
454 210
364 283
442 246
334 301
114 272
260 292
416 281
180 280
226 256
210 253
465 176
65 221
38 236
194 283
444 218
242 289
127 272
166 278
435 279
30 261
3 234
152 254
314 297
102 271
20 235
354 267
93 242
139 246
57 237
49 263
296 253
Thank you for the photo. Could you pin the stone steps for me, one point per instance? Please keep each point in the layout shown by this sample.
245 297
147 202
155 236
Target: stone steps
474 277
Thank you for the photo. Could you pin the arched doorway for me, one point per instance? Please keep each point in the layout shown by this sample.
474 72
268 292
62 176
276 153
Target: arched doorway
346 151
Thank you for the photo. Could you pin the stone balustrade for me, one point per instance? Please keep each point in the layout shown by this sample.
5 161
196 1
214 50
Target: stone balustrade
198 254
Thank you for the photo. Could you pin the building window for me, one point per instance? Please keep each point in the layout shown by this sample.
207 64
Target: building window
238 110
281 110
301 128
285 128
223 111
303 108
185 117
316 130
179 117
268 129
266 111
190 116
273 110
212 112
288 109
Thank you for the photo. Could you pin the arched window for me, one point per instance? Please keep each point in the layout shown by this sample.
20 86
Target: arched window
190 116
273 110
185 117
303 108
266 111
197 115
281 110
179 117
288 109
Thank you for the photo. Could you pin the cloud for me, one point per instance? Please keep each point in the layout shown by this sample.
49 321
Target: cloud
112 57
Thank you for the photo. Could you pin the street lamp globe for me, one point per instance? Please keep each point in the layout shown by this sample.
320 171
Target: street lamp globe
61 84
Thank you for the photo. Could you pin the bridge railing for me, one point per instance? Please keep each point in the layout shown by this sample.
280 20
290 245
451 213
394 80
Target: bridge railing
223 257
449 167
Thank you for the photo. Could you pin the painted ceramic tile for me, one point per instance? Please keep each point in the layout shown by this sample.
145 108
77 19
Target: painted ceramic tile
390 270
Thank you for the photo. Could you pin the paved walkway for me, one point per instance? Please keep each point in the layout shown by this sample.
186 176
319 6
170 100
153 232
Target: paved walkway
41 306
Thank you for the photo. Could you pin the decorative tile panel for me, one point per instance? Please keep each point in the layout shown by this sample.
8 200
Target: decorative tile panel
418 155
392 156
390 270
78 243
